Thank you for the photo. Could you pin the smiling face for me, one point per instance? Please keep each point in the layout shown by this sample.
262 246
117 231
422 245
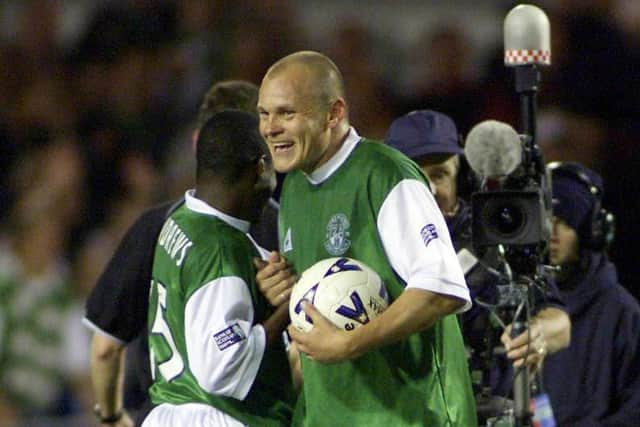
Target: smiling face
294 120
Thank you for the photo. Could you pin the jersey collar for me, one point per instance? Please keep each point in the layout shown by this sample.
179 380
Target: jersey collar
196 205
325 171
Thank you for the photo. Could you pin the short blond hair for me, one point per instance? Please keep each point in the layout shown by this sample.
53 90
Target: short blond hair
327 78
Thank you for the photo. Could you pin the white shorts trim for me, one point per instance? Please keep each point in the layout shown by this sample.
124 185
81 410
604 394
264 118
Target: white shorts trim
189 414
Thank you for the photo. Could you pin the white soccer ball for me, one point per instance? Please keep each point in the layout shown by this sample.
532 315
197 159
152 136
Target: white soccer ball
344 290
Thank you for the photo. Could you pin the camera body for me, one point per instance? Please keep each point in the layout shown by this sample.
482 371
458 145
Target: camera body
515 212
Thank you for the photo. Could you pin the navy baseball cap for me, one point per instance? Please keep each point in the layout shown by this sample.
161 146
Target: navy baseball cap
424 132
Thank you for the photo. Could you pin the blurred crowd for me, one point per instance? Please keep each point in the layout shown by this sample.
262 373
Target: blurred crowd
97 100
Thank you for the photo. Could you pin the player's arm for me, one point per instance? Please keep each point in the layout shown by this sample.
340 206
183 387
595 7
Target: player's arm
275 324
275 279
293 355
225 346
419 249
414 311
107 374
116 310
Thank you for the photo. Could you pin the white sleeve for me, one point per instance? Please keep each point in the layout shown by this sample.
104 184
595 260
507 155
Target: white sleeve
224 348
416 240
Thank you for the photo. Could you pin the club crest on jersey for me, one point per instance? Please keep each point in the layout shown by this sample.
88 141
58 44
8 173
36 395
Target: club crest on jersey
337 237
428 233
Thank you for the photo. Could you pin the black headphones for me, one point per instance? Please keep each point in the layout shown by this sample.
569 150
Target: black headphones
601 231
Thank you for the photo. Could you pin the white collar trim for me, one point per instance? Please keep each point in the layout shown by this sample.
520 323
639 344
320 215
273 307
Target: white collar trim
200 206
325 171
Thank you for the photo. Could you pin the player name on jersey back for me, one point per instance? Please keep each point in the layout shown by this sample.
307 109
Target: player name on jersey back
173 240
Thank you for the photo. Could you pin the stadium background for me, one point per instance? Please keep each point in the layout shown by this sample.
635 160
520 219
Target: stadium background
97 97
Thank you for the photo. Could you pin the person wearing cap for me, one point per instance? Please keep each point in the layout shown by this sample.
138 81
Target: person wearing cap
596 380
431 139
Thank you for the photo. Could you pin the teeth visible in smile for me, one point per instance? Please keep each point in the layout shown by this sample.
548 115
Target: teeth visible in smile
282 147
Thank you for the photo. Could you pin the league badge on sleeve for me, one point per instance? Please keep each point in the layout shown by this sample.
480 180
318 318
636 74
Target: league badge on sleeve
428 233
229 336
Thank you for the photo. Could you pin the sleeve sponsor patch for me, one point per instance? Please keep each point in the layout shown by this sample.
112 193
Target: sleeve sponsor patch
229 336
428 233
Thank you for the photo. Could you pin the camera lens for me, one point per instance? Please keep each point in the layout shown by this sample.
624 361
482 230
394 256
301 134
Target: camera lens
506 219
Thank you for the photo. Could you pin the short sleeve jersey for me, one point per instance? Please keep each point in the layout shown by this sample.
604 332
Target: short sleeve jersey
424 379
195 254
34 312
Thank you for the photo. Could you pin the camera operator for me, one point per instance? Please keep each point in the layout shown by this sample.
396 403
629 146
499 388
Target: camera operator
596 381
431 139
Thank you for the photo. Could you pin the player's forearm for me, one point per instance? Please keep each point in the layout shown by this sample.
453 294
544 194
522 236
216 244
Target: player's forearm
414 311
293 355
275 324
556 328
107 374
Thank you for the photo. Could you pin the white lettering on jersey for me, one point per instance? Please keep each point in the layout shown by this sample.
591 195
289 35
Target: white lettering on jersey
174 241
173 366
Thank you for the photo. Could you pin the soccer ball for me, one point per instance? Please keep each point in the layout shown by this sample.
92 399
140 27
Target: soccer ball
344 290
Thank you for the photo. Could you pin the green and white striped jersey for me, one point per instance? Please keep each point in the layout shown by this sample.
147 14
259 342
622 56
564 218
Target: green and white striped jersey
371 203
205 312
37 332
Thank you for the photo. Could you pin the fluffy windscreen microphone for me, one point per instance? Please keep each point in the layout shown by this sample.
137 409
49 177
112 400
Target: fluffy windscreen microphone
493 149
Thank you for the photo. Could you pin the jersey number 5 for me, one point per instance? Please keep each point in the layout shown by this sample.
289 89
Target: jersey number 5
172 366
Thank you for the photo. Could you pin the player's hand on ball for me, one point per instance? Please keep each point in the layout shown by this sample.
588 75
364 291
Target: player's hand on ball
324 342
275 278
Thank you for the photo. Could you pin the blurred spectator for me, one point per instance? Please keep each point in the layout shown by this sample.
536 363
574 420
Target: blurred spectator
120 77
139 190
443 79
253 45
371 104
568 136
196 57
40 45
43 356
